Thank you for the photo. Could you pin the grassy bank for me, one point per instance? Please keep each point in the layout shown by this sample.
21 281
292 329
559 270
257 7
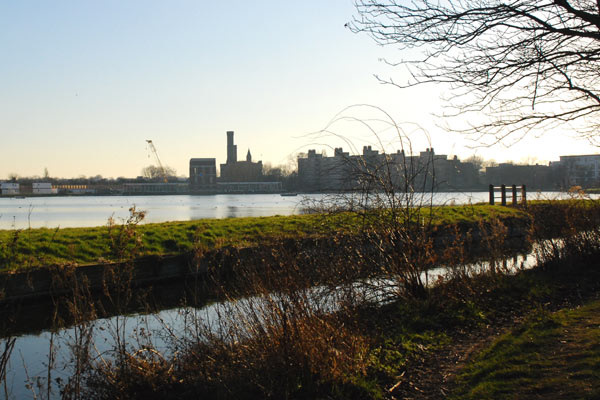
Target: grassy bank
418 346
36 247
551 354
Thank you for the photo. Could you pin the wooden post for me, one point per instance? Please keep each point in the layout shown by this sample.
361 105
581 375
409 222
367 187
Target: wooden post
514 195
491 195
503 188
523 195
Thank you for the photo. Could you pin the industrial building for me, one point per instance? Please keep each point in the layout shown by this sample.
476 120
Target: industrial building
239 171
203 175
236 176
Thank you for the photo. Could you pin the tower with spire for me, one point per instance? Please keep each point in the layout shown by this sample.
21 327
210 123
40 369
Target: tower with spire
239 171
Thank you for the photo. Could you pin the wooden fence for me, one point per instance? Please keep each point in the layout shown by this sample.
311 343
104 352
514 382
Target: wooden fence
518 194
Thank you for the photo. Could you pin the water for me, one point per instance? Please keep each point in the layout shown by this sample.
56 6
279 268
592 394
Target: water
82 211
168 328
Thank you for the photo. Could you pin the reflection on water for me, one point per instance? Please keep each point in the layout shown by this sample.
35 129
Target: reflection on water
82 211
232 211
78 211
168 328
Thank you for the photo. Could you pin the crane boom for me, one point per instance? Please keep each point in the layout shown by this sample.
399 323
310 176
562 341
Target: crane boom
160 166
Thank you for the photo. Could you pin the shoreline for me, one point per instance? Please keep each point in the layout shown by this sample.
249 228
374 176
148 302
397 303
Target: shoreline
190 193
47 281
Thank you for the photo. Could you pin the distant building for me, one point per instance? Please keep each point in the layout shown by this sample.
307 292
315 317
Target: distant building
9 188
375 171
538 177
203 174
319 173
582 170
75 189
239 171
249 187
43 188
430 171
155 188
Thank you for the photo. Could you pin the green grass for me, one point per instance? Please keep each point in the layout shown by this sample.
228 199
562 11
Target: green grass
36 247
553 354
522 364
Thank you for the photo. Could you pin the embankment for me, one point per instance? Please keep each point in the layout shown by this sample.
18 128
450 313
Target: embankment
227 263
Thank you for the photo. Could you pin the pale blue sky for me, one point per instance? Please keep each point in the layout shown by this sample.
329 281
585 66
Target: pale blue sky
84 84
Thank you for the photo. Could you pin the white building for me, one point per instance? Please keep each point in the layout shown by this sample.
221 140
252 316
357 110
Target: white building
43 188
9 188
583 170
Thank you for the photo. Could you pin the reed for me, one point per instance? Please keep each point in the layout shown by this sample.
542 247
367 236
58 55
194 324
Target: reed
344 320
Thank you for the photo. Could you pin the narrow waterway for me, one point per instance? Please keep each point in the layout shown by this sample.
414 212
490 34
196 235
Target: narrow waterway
39 359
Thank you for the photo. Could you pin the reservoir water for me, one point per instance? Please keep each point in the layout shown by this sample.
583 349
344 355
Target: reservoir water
81 211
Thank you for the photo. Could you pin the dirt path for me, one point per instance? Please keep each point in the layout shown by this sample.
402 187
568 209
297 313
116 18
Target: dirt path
431 377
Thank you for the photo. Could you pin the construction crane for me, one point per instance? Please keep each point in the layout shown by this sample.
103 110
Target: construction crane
162 170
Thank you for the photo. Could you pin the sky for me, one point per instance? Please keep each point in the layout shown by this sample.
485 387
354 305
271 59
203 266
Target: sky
84 84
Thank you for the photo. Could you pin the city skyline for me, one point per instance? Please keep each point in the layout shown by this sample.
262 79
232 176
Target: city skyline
86 84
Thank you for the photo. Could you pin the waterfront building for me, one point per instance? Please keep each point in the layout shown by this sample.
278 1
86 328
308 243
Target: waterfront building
578 170
9 188
248 187
319 173
75 189
380 171
203 174
43 188
239 171
155 188
535 177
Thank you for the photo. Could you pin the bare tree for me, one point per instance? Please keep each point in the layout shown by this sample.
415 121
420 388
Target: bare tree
523 64
490 163
477 161
153 172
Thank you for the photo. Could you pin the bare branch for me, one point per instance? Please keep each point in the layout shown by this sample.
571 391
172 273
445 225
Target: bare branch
523 64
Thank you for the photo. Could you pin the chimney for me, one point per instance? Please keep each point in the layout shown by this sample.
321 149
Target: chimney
231 149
